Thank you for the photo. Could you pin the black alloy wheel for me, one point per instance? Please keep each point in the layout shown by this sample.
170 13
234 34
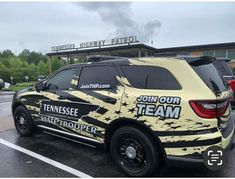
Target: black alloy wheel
132 153
23 121
135 152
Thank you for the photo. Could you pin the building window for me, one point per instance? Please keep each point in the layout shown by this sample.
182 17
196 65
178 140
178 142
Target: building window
220 53
231 54
209 53
184 53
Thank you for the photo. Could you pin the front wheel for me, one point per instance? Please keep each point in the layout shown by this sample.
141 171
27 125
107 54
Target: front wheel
134 151
23 121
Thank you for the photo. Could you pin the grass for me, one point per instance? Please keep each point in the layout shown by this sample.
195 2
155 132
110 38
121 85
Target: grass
18 86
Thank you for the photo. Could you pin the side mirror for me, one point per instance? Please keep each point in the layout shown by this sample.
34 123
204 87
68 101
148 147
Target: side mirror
40 86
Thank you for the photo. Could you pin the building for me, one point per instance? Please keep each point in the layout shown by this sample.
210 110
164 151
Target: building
130 47
129 50
222 50
123 47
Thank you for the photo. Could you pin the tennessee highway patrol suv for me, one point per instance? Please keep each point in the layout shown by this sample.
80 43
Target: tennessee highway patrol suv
145 111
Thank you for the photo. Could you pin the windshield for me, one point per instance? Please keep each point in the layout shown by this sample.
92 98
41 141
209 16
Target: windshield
209 74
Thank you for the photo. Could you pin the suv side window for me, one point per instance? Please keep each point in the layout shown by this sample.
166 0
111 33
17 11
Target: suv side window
61 80
97 77
150 77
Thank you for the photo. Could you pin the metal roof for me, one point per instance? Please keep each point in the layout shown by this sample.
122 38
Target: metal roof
199 47
143 46
101 49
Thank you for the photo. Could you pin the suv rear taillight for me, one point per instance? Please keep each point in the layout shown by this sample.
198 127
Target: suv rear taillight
209 108
231 83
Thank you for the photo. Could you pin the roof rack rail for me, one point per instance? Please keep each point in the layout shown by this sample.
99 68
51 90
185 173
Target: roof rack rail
99 58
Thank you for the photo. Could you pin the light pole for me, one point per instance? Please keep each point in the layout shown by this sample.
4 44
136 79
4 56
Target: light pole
12 78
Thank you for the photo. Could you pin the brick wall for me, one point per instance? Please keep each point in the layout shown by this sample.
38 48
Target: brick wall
197 53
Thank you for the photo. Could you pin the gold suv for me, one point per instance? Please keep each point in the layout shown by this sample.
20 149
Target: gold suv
144 111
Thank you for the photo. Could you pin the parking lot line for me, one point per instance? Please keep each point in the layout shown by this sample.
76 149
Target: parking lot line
45 159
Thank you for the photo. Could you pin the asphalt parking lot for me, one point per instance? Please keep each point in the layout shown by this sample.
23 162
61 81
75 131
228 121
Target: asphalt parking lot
44 155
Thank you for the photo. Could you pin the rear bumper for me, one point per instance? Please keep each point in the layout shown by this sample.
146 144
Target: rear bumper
228 135
184 162
189 162
196 160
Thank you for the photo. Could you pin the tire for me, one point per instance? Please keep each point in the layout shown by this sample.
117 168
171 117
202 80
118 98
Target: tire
144 160
23 121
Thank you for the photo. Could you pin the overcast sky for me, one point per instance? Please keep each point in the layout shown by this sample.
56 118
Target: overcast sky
38 26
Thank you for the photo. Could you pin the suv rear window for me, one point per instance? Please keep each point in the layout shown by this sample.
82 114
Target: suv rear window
211 77
149 77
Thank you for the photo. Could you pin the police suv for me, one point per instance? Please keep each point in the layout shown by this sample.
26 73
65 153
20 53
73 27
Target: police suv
145 111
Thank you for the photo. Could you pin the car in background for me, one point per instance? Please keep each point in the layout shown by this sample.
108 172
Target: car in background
1 84
41 78
224 68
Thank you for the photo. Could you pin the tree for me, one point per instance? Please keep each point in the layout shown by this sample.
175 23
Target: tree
5 61
24 54
42 68
57 63
7 53
5 73
35 58
26 63
32 57
32 72
15 62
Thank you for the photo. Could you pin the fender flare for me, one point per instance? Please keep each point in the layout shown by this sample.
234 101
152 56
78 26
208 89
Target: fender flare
115 124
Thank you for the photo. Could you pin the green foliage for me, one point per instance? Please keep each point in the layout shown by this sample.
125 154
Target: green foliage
43 68
5 72
80 60
24 54
6 53
19 86
57 63
27 63
32 57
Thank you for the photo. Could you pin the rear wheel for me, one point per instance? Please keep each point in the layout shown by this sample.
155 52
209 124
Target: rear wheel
134 151
23 121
